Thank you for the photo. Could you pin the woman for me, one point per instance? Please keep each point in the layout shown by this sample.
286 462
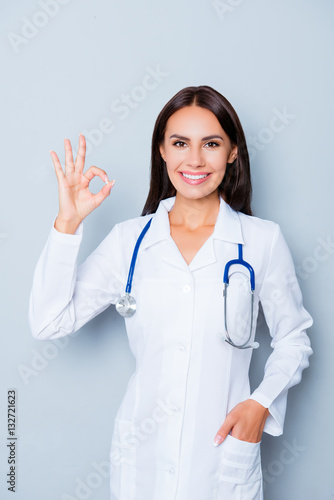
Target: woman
190 389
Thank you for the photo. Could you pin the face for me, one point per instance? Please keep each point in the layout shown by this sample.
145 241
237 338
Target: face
196 150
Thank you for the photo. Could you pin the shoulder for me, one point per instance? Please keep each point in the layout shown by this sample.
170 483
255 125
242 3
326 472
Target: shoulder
120 240
129 230
133 225
263 228
262 234
126 231
267 243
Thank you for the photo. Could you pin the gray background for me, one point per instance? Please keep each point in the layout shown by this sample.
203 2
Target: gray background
63 73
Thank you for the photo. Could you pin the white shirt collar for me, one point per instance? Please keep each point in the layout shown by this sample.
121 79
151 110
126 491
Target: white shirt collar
227 227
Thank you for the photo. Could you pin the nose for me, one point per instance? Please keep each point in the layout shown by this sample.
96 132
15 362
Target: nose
195 157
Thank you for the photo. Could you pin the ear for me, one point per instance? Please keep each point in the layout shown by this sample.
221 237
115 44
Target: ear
233 154
162 151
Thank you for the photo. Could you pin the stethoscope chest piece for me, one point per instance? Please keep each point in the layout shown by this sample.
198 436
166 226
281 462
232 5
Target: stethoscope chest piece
126 306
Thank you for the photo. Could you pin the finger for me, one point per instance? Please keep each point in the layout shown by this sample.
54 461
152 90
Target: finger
103 193
224 430
56 163
93 171
69 164
80 159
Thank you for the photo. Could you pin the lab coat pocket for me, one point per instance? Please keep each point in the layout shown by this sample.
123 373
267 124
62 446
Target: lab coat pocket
123 460
240 474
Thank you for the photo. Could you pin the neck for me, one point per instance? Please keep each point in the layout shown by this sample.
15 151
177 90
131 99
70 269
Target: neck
195 213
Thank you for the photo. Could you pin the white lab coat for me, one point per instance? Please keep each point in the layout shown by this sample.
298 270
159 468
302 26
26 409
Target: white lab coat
187 378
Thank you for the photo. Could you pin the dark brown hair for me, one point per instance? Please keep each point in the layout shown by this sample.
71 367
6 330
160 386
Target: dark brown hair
236 185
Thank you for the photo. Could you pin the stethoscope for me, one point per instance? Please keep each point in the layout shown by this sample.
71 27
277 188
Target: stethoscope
241 262
126 306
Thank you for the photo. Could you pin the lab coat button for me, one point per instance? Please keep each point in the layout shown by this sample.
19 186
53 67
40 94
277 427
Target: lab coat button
175 409
170 470
186 288
181 347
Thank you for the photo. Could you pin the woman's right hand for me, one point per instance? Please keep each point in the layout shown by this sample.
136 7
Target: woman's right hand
75 199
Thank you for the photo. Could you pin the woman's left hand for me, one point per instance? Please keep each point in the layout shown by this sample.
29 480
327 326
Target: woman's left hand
246 421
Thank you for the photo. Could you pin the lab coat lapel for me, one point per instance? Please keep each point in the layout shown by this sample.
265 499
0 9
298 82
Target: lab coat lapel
173 256
205 256
228 225
227 228
159 233
159 229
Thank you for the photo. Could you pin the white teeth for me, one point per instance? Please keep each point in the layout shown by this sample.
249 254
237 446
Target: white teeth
194 177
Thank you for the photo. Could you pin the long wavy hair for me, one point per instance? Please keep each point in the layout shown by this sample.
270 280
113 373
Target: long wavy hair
236 185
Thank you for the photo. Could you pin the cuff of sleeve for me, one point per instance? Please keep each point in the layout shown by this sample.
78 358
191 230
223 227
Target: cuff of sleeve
65 237
274 421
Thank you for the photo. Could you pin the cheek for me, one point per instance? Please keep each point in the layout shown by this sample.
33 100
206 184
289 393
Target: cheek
220 169
170 171
173 161
172 175
174 158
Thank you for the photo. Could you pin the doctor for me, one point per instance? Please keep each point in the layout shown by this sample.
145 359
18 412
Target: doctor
188 426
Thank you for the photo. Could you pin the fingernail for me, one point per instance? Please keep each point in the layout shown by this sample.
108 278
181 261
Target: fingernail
50 151
112 183
106 179
218 440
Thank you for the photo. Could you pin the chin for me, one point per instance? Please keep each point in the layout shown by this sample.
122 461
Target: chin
197 194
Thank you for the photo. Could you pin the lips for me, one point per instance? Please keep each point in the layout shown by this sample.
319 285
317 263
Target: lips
194 179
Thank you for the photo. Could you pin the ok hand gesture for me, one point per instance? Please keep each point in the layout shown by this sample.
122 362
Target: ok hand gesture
75 199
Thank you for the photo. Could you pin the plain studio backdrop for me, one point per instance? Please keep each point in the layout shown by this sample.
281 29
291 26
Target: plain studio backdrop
106 68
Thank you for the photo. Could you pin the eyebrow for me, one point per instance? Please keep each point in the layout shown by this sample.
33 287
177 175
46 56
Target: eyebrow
203 138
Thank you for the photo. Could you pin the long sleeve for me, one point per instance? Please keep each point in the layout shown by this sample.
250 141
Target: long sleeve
65 296
287 321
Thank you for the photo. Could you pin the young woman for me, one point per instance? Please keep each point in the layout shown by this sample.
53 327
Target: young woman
192 341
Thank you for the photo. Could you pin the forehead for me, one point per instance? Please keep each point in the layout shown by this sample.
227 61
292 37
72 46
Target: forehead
193 120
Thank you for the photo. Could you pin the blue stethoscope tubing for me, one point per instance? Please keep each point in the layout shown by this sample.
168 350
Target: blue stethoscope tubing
239 261
134 257
126 306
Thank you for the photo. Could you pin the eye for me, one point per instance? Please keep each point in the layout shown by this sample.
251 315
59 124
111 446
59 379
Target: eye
212 144
179 144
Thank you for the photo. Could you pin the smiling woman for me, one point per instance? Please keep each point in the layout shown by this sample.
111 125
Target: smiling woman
190 391
200 111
